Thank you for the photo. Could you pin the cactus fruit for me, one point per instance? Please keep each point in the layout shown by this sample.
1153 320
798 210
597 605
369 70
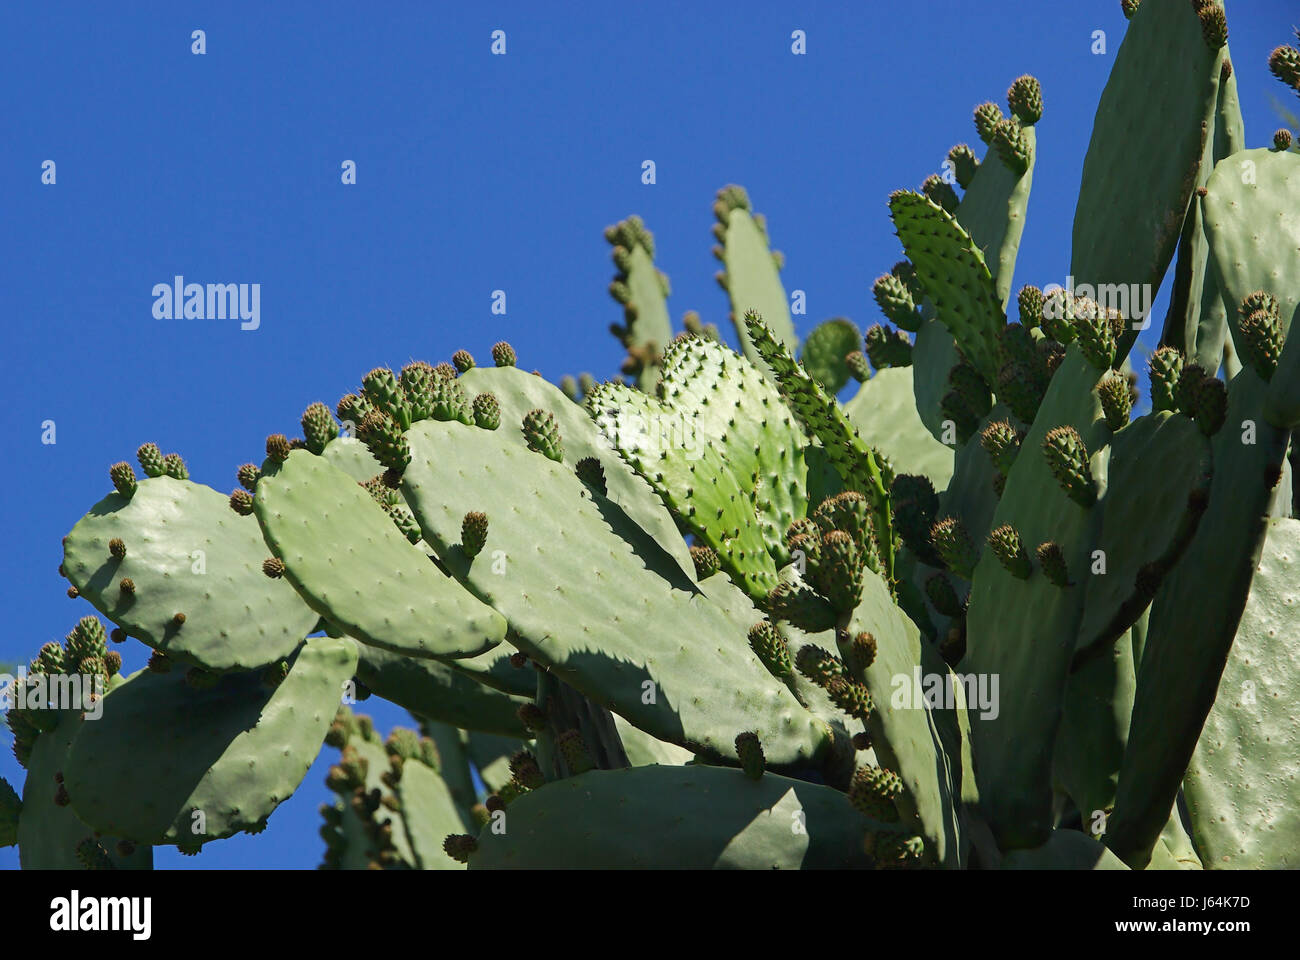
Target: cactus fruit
503 355
1067 458
751 755
1116 400
954 545
1025 98
1010 551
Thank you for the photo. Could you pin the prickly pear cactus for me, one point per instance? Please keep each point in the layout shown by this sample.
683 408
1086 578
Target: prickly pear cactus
980 615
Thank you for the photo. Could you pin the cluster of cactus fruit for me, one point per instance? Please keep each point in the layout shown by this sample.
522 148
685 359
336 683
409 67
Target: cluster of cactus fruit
980 615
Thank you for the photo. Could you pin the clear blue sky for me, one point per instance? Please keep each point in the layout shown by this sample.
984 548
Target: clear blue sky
474 173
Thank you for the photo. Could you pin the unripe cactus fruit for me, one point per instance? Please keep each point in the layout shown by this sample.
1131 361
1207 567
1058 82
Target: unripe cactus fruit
873 791
1095 334
1166 368
574 750
277 447
706 562
1202 397
247 475
1282 139
463 360
1012 145
1051 559
127 587
1007 546
862 652
241 501
385 440
123 478
116 548
473 533
858 366
1067 458
964 164
1025 98
1002 442
850 696
987 116
543 435
942 596
896 301
460 846
820 666
914 504
151 459
273 567
771 649
1214 24
840 570
940 192
503 355
318 427
487 414
888 347
523 765
1260 327
532 717
1284 63
751 756
1129 7
1116 400
174 467
954 546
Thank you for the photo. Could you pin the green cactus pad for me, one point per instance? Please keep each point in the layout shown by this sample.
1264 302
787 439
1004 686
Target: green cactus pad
1197 319
186 552
922 742
1008 618
1255 245
248 755
741 412
1094 729
753 280
1193 621
1162 89
352 457
1145 526
48 834
692 817
694 479
646 327
1240 785
352 840
316 519
439 691
518 392
429 814
884 412
858 466
934 354
824 351
606 642
956 278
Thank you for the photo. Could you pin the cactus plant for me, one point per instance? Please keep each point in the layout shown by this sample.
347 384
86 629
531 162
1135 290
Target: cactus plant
665 619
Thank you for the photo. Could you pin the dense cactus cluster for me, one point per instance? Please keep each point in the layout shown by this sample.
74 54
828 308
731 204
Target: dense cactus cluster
979 615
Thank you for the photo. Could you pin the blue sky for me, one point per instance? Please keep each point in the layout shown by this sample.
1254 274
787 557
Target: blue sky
474 173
